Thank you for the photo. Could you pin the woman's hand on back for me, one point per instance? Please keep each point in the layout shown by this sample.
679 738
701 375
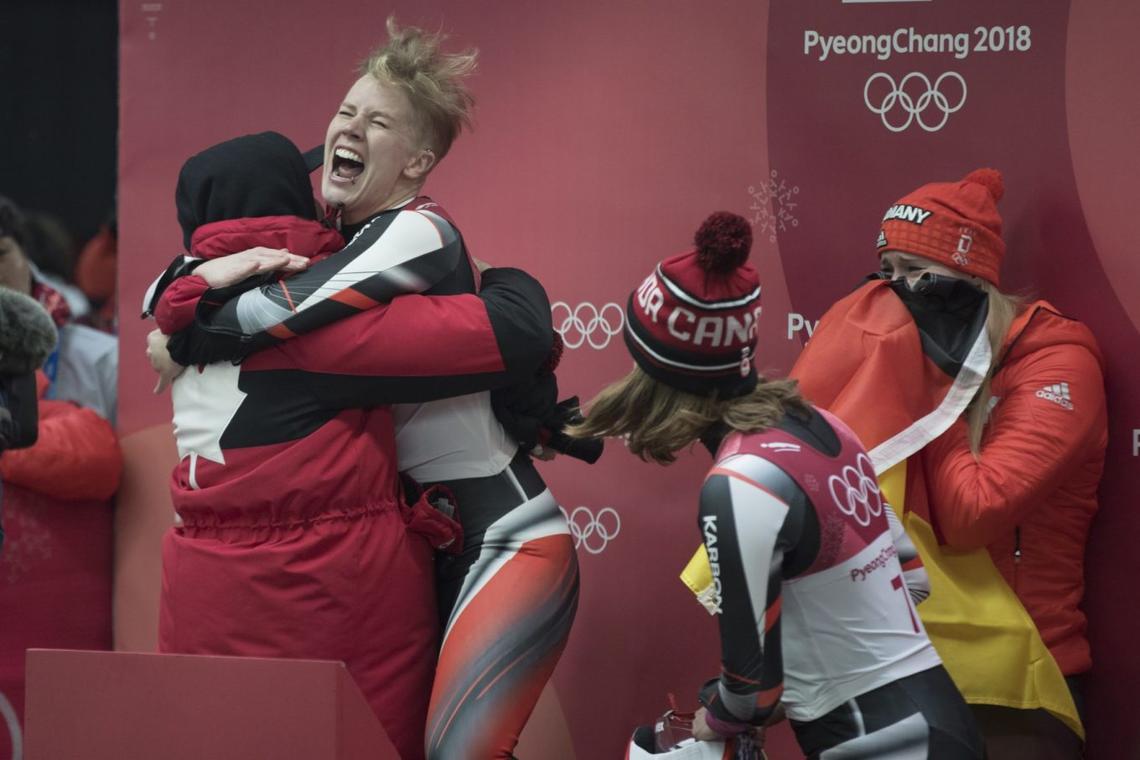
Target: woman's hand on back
230 270
168 370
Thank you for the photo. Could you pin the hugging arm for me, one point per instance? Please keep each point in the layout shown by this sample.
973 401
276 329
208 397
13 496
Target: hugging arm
404 252
421 348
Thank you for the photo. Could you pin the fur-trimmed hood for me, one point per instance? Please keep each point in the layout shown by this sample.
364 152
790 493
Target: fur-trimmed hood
27 334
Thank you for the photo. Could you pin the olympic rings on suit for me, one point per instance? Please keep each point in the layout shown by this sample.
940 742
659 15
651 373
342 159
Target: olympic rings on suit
856 491
593 532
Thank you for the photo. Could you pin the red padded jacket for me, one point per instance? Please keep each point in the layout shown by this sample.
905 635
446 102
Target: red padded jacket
76 456
1030 494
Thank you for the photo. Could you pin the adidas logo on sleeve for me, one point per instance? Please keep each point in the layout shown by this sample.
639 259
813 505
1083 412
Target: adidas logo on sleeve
1058 393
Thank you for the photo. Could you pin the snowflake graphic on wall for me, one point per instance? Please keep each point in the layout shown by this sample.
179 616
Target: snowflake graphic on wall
28 543
772 209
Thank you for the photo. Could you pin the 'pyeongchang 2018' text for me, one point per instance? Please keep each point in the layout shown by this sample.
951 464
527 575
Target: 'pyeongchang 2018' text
908 40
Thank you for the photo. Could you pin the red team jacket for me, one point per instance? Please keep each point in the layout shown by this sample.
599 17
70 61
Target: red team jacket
1031 494
295 539
77 455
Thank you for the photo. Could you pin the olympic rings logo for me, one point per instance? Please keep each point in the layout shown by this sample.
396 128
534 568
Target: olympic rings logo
915 105
856 491
586 323
590 531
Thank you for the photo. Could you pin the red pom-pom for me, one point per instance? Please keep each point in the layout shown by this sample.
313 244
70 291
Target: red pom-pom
990 179
723 242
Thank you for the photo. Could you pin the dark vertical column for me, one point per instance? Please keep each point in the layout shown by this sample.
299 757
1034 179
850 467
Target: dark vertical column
59 108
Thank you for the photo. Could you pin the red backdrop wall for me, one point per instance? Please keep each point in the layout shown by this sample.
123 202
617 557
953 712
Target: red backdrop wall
605 134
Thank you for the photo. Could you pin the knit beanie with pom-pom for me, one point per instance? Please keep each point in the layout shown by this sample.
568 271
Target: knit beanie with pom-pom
691 324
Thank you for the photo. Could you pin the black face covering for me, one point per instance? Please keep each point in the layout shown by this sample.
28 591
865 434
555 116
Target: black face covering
949 312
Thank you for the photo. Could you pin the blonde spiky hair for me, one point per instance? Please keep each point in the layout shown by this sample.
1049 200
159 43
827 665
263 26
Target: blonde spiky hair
433 81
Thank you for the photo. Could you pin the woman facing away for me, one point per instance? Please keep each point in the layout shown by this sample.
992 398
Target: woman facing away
816 579
508 600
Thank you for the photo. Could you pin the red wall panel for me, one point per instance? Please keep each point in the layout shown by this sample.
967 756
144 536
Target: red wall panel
604 135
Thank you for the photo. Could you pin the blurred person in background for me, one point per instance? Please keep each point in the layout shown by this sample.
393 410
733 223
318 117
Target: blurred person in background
55 560
85 367
50 250
27 338
95 274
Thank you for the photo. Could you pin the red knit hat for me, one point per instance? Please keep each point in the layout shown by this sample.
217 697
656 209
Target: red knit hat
956 224
692 323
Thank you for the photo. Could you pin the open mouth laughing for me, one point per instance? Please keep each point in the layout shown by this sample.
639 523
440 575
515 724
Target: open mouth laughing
347 165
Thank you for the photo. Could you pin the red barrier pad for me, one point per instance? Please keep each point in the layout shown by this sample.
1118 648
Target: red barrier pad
114 705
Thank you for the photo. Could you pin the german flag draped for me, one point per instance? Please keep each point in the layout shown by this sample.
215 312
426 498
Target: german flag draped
899 373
